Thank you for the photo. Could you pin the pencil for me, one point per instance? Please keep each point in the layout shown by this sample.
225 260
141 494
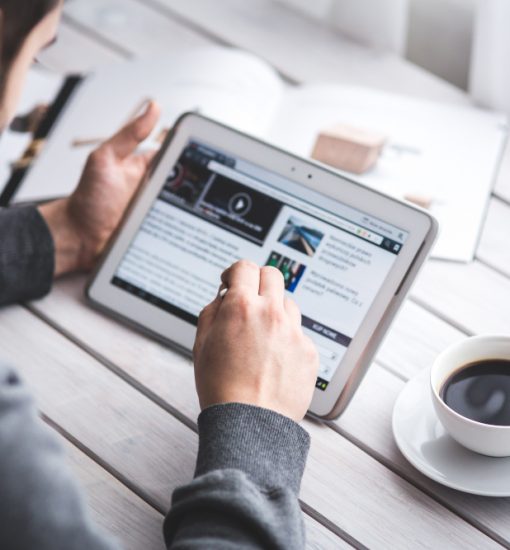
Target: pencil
85 142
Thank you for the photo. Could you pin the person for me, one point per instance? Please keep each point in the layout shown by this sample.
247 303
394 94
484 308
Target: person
255 369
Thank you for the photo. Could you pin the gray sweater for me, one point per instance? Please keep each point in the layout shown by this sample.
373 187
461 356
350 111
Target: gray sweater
249 465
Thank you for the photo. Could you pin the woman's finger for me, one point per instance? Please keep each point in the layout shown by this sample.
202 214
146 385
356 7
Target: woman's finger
126 140
272 284
243 276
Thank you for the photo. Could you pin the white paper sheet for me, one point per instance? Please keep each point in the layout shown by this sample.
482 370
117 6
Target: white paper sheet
441 151
228 85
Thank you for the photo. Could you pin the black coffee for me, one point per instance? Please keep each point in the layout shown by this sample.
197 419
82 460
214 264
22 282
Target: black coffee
480 391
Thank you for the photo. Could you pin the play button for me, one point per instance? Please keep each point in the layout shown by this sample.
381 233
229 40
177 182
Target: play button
240 204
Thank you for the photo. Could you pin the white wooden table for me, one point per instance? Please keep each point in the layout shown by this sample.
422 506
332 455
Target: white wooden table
125 406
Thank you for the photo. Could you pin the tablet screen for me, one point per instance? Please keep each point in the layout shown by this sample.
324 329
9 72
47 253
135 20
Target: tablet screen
215 209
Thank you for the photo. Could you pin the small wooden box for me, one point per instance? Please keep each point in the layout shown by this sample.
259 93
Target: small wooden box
348 148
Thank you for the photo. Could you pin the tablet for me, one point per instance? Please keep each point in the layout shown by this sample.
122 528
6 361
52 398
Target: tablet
348 254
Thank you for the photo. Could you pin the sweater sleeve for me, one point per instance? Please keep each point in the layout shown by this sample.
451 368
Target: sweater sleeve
27 255
245 492
40 505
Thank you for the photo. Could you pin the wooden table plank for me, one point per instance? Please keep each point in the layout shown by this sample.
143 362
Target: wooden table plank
472 297
415 340
114 507
320 538
119 345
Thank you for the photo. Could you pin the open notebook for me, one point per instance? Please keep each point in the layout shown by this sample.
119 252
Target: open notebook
445 152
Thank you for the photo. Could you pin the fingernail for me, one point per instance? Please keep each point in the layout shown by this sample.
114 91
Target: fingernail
146 108
141 109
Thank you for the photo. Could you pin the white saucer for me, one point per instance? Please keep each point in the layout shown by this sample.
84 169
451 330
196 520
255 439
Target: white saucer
424 442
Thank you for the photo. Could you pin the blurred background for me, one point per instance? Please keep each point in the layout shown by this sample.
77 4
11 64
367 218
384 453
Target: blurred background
466 42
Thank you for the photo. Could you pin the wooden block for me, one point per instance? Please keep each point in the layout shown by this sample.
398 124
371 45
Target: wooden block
348 148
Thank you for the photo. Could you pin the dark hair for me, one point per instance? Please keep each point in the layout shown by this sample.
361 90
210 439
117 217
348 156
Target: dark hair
17 20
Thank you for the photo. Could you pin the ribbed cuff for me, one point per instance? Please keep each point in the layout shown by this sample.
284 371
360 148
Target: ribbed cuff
27 255
270 448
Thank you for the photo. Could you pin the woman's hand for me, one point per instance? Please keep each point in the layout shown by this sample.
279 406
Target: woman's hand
82 223
250 347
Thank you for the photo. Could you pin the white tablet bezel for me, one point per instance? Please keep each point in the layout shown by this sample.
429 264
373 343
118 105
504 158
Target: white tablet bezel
421 227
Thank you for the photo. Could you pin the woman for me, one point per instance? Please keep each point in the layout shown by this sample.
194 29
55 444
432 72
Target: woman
255 370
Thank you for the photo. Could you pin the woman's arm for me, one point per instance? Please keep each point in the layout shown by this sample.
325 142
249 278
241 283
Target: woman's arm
26 255
245 493
40 503
255 372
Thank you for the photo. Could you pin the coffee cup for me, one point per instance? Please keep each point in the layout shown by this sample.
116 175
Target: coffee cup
474 406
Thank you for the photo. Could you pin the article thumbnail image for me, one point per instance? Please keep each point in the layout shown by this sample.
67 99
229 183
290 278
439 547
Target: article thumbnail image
185 184
292 271
187 181
300 237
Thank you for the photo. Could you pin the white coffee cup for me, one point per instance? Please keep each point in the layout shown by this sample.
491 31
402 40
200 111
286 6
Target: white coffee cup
486 439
